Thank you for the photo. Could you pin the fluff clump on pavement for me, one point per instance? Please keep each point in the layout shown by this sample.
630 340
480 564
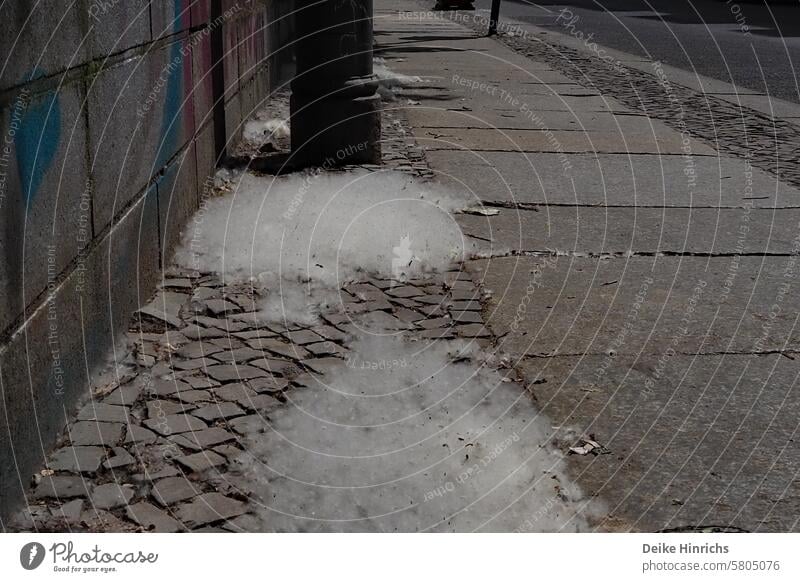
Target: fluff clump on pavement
402 438
305 233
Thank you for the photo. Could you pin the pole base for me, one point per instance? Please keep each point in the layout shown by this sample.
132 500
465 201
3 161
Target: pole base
454 5
334 132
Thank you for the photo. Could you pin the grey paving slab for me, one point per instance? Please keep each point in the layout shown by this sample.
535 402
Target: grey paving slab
597 230
693 440
111 495
77 459
535 140
611 180
511 118
572 305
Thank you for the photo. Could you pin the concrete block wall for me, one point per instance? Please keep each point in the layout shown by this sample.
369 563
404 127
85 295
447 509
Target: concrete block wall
107 132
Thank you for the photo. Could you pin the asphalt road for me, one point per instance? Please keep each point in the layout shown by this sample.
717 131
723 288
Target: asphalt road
750 44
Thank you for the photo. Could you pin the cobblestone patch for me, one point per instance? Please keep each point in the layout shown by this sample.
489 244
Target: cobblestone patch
151 451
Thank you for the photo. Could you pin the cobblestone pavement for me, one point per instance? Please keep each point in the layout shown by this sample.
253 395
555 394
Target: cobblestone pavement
150 451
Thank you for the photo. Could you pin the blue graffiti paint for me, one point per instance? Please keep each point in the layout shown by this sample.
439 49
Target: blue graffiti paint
170 118
37 140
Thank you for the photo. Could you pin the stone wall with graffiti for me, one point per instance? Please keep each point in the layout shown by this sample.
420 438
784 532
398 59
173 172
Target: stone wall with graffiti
110 122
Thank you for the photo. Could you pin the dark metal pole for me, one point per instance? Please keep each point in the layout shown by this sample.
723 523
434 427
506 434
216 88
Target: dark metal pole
493 17
335 108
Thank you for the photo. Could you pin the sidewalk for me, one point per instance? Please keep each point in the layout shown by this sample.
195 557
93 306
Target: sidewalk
642 280
617 351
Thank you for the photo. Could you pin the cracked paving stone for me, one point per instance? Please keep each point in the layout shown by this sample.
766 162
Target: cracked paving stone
111 495
466 316
431 299
198 350
173 489
302 337
472 330
77 459
263 402
435 323
97 411
244 523
200 382
218 411
239 356
465 306
70 511
193 396
140 435
156 408
152 518
174 424
151 475
61 487
176 283
228 343
331 333
221 306
202 439
268 385
383 321
283 368
174 339
230 372
407 315
199 462
87 433
464 295
248 425
121 458
196 364
353 309
202 294
404 292
431 282
359 288
228 451
433 310
168 387
233 392
197 333
438 333
326 348
210 508
323 365
382 283
336 319
255 334
250 319
378 305
125 395
402 302
151 312
451 277
371 296
99 520
460 283
248 302
280 348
